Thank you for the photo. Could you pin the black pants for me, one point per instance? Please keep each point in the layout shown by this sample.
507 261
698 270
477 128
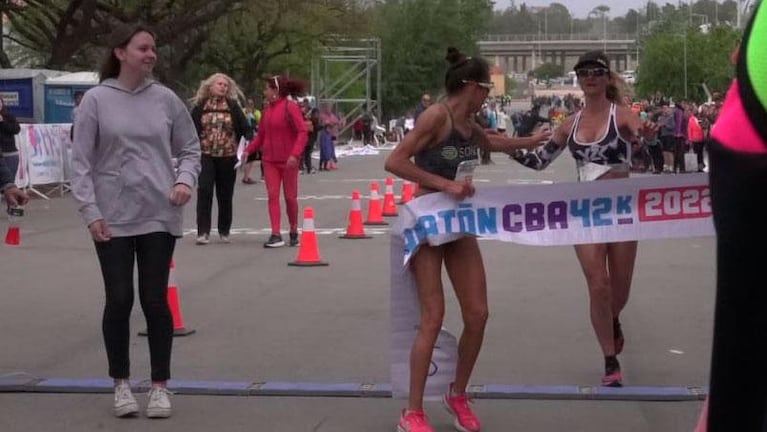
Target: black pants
698 148
656 154
680 148
216 172
153 252
738 397
306 157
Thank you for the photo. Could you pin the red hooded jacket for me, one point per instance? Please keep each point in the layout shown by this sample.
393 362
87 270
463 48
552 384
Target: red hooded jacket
281 133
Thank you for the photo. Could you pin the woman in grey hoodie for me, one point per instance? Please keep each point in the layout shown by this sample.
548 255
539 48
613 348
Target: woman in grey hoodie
127 131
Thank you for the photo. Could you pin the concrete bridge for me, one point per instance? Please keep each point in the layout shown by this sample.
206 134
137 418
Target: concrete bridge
523 53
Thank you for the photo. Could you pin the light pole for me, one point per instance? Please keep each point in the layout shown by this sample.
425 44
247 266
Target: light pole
685 64
741 8
604 31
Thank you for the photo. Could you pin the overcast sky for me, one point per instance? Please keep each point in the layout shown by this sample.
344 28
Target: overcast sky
581 8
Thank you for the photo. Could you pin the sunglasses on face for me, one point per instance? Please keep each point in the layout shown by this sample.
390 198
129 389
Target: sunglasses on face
591 72
484 85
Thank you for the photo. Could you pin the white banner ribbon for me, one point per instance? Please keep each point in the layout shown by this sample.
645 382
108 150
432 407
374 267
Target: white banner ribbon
658 207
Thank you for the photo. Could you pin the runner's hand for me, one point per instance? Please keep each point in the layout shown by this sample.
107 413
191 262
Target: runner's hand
648 129
460 189
541 137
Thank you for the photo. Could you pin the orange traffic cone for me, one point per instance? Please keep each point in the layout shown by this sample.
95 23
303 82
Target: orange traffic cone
389 207
308 251
175 308
375 212
407 192
13 236
355 230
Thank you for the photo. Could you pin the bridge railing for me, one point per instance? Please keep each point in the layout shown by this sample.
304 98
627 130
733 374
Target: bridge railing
556 37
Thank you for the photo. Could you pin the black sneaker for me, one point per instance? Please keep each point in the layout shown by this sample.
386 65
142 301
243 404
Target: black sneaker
293 239
275 240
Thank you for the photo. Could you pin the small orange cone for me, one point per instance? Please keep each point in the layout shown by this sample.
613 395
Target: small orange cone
355 230
13 236
175 308
390 206
407 192
308 251
375 212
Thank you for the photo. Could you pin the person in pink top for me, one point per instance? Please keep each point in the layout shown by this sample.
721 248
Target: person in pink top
695 135
282 137
330 126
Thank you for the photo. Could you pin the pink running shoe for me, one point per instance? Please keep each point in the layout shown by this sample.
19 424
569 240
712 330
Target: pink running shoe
414 421
613 379
458 405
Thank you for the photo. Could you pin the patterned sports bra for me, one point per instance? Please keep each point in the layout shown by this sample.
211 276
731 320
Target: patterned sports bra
611 149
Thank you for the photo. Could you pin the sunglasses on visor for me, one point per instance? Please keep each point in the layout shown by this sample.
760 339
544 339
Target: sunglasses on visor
591 72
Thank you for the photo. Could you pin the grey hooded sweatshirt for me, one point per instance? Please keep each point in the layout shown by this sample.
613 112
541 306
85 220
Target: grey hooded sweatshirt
122 157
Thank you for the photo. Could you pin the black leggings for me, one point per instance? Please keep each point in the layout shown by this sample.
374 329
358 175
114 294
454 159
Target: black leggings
306 157
153 252
738 397
216 172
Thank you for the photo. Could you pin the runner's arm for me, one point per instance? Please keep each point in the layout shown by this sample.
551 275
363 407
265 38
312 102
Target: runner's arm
542 156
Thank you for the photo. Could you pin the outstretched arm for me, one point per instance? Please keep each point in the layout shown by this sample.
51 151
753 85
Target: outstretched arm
500 143
542 156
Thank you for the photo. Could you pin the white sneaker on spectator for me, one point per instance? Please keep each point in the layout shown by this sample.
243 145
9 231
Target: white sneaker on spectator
125 403
203 239
159 403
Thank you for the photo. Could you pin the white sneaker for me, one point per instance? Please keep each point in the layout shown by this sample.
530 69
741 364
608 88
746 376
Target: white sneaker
225 239
125 403
203 239
159 403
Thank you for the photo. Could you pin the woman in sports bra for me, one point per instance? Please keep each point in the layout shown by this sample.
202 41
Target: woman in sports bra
443 137
599 138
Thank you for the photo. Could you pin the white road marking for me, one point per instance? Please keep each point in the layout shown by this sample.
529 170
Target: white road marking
319 231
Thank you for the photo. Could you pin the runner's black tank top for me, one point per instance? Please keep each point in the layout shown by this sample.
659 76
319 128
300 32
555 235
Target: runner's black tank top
611 149
443 158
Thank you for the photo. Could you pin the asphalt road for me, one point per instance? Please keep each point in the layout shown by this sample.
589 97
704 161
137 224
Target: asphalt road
259 320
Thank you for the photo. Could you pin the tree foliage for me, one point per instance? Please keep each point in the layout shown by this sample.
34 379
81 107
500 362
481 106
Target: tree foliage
663 62
194 37
548 71
415 35
271 37
60 34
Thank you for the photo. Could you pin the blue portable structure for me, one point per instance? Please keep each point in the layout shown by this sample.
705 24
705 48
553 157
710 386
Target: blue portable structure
60 94
22 92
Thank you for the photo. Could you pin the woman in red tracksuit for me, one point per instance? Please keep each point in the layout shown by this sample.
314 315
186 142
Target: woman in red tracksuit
281 138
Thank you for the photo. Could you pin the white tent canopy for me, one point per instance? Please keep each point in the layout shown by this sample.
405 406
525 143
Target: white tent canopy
76 78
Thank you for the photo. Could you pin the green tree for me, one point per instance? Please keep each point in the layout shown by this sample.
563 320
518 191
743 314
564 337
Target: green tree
415 35
60 34
270 37
548 71
663 62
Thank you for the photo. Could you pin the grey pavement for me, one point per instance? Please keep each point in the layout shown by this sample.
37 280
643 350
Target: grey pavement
259 320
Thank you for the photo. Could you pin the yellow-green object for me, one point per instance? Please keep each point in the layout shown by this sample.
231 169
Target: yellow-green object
756 54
